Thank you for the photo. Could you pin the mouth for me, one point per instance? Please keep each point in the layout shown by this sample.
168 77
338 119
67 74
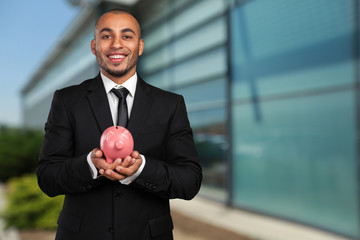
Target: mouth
116 57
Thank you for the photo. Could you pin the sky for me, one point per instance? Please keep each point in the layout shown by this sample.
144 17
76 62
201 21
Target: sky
29 30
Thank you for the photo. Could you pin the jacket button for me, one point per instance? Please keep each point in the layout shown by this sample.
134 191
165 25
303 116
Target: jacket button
118 194
150 185
111 229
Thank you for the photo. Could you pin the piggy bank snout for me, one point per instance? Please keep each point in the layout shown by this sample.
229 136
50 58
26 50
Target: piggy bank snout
119 145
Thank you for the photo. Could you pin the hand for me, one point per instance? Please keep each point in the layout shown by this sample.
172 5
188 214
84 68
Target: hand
97 157
119 169
130 165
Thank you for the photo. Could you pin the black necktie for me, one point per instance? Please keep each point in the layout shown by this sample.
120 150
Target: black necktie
122 106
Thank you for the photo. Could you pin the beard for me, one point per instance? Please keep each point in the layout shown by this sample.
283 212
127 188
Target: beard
117 73
112 72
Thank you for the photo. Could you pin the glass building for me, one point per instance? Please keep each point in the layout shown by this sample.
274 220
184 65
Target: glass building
272 92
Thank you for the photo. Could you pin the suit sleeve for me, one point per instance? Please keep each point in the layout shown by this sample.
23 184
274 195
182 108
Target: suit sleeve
179 175
59 172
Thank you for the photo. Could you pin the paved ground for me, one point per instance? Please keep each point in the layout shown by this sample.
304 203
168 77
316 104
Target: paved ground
247 223
185 229
202 219
190 229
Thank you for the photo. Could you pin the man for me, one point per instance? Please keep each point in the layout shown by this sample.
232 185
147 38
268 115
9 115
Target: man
129 198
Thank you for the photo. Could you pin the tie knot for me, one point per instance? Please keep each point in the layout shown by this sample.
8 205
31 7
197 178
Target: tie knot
120 93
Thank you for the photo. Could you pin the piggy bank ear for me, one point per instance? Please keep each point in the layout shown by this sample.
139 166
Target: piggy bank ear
109 134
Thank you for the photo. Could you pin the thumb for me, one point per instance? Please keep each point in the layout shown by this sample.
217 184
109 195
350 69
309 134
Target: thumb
97 153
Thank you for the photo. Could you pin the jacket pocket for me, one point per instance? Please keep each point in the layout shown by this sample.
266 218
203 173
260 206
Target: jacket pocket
69 222
160 226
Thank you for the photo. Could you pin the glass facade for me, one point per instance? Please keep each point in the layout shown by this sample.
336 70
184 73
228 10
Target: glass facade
294 111
186 52
74 63
68 66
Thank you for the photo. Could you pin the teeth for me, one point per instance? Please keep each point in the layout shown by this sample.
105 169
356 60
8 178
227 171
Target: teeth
117 56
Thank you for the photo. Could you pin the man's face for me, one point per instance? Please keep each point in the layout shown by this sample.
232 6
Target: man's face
117 45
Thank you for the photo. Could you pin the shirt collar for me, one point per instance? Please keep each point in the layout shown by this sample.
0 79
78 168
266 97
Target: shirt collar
129 84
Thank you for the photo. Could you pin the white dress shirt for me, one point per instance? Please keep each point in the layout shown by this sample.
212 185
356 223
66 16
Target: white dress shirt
130 85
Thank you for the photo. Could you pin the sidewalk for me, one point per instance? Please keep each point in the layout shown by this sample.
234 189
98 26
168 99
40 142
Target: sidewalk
247 224
10 234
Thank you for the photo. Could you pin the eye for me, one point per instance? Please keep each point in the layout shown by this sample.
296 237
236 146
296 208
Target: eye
127 37
105 36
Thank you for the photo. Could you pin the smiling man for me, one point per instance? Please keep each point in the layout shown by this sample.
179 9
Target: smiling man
129 198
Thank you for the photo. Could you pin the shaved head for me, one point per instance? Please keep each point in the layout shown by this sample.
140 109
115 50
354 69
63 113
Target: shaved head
116 11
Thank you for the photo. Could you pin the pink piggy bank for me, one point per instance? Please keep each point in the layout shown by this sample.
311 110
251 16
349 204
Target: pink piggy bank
116 142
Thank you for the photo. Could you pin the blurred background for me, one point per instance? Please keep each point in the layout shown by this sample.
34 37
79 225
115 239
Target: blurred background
271 87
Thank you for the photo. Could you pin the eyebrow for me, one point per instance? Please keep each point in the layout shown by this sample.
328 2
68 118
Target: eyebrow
122 30
106 30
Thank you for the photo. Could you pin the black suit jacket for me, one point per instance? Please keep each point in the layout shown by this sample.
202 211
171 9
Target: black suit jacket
101 209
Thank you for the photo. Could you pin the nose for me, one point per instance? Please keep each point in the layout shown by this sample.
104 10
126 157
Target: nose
117 42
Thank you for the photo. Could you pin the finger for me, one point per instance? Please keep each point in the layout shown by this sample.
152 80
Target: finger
100 163
110 174
105 174
118 161
115 163
96 153
128 171
127 162
135 154
99 153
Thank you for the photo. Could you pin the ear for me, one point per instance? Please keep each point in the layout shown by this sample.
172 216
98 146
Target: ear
93 46
141 46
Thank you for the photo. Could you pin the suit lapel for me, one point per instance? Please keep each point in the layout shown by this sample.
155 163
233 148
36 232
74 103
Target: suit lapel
140 109
99 103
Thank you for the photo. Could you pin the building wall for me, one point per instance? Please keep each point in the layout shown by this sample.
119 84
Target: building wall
294 110
271 89
73 65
